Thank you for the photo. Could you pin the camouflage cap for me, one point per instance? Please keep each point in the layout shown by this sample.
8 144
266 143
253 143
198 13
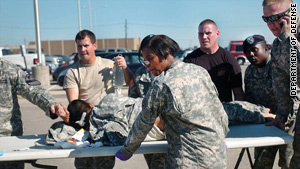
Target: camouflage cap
252 41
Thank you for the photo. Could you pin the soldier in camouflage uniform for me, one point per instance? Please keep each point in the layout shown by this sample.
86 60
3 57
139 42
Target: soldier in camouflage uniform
279 16
142 82
258 90
238 112
12 83
195 121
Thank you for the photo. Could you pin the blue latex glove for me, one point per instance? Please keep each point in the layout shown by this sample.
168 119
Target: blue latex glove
121 156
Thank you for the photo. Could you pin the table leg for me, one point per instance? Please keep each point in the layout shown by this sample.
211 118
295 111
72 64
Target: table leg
34 164
249 157
239 159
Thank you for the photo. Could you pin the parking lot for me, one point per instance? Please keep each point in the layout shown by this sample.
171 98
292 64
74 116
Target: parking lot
35 122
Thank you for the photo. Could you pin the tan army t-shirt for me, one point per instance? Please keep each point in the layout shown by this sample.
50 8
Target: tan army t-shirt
93 80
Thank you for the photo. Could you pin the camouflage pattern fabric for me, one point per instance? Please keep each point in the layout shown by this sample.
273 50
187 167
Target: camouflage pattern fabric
114 110
281 76
195 121
238 112
110 122
142 82
295 161
13 83
258 87
281 54
259 90
241 112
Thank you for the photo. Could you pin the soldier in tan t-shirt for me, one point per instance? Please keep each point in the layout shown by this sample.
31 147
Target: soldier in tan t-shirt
90 80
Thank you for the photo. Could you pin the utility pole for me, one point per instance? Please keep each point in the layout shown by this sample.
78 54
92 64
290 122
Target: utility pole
41 71
90 15
95 28
126 33
41 59
79 16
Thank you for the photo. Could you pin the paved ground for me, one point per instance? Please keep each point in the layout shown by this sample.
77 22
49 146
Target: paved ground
35 122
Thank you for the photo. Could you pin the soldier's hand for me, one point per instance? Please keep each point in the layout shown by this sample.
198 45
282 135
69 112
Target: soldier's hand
120 62
277 124
285 23
60 111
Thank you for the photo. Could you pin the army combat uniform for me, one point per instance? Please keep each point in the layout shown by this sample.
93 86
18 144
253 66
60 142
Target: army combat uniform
258 90
287 105
13 83
142 82
238 112
111 120
194 119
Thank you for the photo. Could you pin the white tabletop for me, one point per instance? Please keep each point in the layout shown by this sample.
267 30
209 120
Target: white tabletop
32 147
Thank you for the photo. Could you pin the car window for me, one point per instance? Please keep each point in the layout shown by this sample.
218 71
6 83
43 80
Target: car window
6 52
135 59
128 59
178 54
239 48
111 50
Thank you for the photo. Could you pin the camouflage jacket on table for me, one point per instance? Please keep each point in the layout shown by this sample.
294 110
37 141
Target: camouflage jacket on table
13 83
281 53
110 121
194 119
258 87
115 115
142 82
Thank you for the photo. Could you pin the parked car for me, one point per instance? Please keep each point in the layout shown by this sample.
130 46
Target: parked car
59 74
66 59
52 67
61 77
236 49
57 60
132 59
182 54
117 50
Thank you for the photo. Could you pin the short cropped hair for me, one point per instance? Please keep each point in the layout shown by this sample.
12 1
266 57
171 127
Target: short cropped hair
83 33
270 2
207 21
161 45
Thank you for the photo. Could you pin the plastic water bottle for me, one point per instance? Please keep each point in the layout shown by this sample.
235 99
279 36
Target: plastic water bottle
118 78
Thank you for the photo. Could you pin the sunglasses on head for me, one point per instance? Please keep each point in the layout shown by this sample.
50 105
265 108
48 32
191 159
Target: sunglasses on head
274 18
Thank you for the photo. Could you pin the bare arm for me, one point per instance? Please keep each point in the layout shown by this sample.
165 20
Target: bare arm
72 94
238 93
128 76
